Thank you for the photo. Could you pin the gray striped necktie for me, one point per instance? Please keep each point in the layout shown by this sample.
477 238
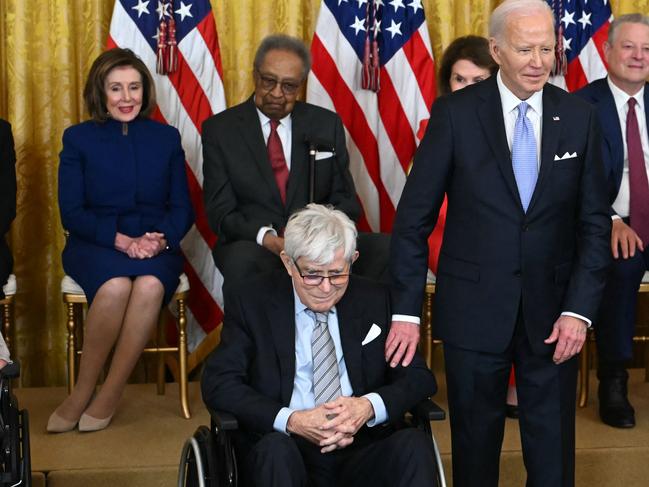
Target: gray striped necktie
326 379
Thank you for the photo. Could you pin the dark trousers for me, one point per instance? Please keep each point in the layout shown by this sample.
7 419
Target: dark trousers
402 459
477 390
615 325
243 260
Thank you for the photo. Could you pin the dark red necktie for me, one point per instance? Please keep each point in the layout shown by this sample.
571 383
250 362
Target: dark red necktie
638 184
277 159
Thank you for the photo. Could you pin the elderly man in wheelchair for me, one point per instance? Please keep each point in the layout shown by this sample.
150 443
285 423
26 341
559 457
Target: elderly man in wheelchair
301 367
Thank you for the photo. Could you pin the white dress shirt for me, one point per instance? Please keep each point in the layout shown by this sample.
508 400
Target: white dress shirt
285 132
302 397
622 201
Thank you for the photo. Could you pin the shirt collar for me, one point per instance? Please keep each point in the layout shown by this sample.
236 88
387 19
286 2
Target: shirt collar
622 98
511 101
263 119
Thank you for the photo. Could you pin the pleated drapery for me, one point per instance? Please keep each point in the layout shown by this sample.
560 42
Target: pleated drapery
46 49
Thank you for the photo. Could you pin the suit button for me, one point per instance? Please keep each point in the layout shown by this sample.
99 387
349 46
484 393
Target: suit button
517 273
526 227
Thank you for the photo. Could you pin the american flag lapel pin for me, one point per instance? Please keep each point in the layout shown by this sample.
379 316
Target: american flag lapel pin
555 118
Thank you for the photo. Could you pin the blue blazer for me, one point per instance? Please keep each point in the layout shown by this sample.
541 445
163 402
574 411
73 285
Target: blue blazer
599 95
110 183
495 257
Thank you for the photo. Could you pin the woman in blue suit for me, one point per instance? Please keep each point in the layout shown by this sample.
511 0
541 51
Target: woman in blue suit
124 200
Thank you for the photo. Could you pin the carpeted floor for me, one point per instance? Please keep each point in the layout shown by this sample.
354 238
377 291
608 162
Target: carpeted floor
142 446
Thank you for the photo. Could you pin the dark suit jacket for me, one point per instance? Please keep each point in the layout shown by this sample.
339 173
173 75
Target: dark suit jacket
599 95
7 198
239 188
251 372
494 256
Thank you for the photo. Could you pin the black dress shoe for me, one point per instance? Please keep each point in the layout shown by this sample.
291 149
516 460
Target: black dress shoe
511 411
614 406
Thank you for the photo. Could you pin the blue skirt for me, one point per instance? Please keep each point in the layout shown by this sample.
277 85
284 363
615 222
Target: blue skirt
92 265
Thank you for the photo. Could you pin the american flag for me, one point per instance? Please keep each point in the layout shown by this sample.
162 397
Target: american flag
582 27
383 127
185 98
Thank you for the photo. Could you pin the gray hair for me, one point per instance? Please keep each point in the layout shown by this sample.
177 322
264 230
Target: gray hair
282 42
635 18
317 232
501 13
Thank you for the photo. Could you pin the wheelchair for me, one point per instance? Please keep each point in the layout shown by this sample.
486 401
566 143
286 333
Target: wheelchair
208 458
15 463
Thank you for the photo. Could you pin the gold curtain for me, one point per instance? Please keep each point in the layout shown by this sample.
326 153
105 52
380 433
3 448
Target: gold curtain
46 48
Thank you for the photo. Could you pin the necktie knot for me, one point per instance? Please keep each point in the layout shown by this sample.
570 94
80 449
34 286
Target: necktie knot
317 317
632 103
273 125
522 109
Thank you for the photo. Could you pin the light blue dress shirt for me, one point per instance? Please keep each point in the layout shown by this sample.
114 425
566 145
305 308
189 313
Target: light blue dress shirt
302 397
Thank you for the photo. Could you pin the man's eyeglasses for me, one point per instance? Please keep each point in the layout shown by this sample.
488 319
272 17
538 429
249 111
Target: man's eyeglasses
268 83
316 279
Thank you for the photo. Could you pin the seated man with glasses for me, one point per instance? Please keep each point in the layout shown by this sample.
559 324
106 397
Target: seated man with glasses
301 367
256 167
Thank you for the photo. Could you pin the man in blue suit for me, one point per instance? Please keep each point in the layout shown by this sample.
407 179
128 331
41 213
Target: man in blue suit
625 147
524 255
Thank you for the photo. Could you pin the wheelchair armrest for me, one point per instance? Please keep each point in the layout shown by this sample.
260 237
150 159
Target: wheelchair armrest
11 370
428 410
223 421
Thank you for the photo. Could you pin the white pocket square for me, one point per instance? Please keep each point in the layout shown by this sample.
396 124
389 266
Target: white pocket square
323 155
375 331
567 155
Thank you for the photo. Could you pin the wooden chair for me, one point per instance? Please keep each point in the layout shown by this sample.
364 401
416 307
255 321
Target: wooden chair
74 299
427 343
9 290
587 351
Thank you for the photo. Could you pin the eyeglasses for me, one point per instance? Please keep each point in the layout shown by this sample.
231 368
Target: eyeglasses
316 279
268 83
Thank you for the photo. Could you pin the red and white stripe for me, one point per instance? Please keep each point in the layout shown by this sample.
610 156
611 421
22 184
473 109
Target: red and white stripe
185 99
382 128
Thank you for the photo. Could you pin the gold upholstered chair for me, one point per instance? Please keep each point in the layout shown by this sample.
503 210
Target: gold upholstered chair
74 299
427 342
9 290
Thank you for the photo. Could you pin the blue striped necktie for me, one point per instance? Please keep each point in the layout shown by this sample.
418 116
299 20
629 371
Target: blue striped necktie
524 156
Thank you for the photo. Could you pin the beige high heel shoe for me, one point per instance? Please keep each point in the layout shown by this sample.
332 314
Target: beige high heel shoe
88 423
58 424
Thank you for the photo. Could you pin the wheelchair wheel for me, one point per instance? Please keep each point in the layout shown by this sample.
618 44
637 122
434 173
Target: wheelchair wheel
15 459
207 460
196 460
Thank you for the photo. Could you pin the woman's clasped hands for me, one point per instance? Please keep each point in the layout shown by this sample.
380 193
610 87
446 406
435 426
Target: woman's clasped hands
144 247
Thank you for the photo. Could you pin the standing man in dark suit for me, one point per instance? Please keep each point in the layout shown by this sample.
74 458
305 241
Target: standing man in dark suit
622 101
7 198
301 366
524 255
256 164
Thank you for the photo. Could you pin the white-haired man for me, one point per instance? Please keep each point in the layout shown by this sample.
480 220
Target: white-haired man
301 366
524 256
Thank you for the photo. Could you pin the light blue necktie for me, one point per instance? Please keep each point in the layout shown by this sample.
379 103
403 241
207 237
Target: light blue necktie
524 156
